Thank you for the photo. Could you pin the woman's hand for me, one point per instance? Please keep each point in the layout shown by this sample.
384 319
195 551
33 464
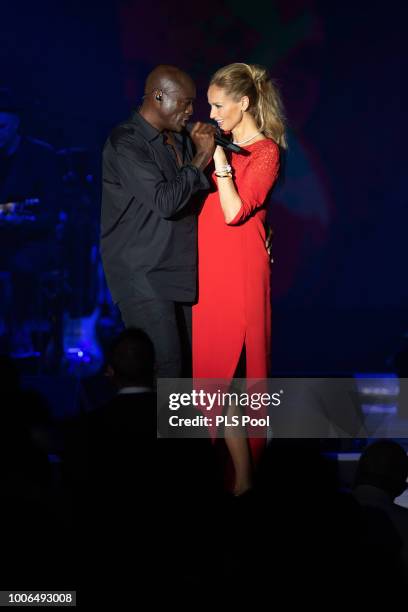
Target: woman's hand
220 159
268 242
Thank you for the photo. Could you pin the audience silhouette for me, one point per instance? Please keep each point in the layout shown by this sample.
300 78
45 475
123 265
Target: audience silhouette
381 476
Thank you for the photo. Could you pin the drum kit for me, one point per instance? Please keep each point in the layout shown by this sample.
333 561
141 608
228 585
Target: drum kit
76 311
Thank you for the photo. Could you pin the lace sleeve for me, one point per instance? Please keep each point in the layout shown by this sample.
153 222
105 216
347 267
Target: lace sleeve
256 181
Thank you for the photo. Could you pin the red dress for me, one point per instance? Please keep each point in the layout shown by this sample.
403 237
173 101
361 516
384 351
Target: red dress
233 307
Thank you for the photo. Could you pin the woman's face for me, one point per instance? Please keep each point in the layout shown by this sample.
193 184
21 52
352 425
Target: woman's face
224 110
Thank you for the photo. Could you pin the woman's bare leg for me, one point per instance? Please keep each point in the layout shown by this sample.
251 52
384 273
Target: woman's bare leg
237 444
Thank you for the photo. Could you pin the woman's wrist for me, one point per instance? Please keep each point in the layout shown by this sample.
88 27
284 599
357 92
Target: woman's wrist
223 168
223 175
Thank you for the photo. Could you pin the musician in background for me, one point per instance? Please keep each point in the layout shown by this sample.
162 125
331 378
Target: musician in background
28 237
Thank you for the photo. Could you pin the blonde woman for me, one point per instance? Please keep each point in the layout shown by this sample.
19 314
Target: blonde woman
232 318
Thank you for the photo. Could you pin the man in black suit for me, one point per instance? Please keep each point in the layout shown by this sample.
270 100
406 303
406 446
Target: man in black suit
109 459
148 226
129 418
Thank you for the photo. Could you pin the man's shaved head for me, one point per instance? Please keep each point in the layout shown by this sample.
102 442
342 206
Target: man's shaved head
165 77
168 98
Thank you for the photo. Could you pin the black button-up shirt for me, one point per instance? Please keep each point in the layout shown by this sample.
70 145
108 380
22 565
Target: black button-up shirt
148 222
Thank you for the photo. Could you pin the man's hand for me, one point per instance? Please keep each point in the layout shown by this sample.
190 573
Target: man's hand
202 136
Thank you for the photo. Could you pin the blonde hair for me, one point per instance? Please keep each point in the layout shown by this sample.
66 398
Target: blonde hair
265 103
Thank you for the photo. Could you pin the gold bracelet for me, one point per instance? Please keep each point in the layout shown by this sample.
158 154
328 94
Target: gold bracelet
229 175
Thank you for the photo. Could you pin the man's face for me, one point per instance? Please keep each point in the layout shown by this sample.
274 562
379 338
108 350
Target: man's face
176 106
9 123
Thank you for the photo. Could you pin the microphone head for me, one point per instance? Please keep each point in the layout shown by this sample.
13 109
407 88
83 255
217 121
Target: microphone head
217 127
189 126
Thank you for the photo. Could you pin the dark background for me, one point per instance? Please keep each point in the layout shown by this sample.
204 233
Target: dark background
340 220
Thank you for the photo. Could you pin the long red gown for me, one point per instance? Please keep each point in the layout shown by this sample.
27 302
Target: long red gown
233 307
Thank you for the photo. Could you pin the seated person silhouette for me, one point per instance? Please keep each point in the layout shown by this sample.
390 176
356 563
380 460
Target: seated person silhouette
132 488
381 477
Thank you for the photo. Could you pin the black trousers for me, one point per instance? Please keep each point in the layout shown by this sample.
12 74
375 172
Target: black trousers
168 325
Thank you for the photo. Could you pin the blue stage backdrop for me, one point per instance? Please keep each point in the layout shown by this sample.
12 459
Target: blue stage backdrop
339 219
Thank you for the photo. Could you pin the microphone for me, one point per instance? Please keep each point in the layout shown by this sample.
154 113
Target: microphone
224 142
221 140
228 144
